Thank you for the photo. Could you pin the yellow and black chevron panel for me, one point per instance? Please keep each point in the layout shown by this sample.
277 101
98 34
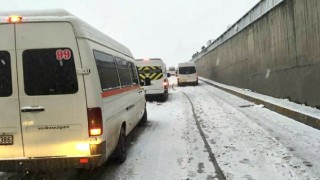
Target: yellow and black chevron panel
153 72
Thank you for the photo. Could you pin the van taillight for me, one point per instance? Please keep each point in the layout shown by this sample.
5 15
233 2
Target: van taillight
95 121
165 83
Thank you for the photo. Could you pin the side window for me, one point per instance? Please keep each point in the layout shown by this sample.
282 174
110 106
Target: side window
5 74
49 72
124 73
107 70
134 75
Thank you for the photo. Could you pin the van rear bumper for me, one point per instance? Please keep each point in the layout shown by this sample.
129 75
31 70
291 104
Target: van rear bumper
49 164
188 82
155 92
96 159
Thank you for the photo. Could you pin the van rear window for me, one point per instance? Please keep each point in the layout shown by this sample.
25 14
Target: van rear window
187 70
49 72
5 74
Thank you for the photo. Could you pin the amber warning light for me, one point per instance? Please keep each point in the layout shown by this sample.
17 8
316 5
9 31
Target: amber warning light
14 19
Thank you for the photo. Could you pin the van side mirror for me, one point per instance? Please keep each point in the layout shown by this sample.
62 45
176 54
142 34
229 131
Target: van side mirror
168 75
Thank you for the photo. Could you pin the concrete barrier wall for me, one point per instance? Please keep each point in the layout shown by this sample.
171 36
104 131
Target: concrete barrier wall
277 55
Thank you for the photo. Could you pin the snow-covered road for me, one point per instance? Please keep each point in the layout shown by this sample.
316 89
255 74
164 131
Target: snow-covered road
247 141
251 142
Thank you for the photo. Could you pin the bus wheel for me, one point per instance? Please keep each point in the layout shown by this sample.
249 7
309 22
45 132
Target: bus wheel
121 149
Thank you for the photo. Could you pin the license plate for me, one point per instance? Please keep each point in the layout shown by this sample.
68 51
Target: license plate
6 139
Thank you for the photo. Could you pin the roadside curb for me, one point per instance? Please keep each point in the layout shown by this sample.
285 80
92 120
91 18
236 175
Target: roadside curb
298 116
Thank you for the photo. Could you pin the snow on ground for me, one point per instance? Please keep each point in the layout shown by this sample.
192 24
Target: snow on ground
170 147
248 141
277 101
251 142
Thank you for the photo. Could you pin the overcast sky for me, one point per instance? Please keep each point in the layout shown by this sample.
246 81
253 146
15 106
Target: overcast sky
169 29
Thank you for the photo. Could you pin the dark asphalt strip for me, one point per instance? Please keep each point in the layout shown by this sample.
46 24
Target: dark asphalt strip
219 172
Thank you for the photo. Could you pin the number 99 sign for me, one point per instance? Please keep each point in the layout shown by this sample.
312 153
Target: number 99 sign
63 54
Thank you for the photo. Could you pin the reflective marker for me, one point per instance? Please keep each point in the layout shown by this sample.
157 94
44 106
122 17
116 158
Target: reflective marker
84 160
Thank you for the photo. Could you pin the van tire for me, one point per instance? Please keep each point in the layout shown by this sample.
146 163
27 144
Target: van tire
164 96
121 149
144 119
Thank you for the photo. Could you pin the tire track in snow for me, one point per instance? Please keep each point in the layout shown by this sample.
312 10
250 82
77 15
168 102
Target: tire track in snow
219 172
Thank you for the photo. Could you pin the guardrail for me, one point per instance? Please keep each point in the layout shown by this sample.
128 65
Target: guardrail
263 7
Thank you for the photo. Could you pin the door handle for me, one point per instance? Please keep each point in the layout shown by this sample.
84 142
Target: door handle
32 109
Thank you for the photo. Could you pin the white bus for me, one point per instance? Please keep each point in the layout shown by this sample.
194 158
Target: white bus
69 94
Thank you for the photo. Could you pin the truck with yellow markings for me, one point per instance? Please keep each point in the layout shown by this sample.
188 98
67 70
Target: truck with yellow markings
154 78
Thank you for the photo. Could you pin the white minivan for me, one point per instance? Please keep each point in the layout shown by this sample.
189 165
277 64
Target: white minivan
172 70
69 94
187 74
153 74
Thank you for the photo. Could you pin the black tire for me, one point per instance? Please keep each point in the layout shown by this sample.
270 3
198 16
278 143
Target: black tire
144 119
167 95
121 149
164 96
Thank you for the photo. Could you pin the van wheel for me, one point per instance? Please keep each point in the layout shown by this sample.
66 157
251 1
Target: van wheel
144 119
121 149
164 96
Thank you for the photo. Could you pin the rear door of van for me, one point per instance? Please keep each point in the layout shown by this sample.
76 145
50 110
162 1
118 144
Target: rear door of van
53 113
155 73
10 126
187 74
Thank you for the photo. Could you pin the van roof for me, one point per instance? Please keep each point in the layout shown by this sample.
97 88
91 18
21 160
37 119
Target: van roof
152 59
81 28
186 64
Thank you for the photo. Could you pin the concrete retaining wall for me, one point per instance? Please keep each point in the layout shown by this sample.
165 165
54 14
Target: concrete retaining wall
277 55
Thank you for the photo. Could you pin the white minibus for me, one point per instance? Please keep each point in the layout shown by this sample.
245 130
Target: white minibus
187 74
69 94
172 70
153 74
